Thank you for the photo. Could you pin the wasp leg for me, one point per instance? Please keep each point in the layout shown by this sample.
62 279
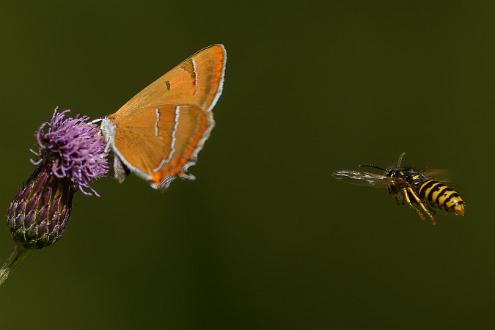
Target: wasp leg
425 209
408 201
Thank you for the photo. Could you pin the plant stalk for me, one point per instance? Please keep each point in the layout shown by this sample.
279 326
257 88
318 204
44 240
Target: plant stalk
8 267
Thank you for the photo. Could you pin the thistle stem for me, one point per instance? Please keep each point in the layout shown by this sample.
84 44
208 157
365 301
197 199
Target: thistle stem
8 267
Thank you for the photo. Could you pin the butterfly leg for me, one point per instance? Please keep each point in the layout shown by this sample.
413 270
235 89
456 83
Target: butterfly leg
416 198
120 171
408 201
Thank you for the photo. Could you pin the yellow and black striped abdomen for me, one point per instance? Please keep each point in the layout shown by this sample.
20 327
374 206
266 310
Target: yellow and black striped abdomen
441 196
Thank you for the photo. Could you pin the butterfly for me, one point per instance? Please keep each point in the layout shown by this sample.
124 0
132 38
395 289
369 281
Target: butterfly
159 132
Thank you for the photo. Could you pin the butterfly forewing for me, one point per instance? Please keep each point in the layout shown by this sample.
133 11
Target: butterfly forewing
196 81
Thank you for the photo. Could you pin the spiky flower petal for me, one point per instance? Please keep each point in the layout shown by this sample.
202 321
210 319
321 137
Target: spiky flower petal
74 148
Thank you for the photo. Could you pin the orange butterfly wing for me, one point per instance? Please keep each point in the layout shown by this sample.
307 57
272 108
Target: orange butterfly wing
159 132
197 81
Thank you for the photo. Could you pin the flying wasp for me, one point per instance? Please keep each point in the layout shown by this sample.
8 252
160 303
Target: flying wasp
409 186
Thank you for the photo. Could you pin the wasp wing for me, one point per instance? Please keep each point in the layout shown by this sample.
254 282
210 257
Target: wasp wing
442 175
366 178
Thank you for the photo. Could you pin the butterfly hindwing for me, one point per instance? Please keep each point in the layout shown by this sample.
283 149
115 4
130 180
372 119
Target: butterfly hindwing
163 142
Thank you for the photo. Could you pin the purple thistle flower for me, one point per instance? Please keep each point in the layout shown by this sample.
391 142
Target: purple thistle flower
72 155
74 149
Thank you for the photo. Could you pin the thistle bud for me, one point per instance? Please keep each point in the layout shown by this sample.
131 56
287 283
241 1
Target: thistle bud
39 213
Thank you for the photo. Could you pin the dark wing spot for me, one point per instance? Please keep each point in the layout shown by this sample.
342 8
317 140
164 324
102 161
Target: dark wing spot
167 83
189 67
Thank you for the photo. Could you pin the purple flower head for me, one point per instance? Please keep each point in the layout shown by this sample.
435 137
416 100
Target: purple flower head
74 149
72 154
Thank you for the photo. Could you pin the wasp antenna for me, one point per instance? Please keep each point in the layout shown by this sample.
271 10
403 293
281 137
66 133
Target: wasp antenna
372 166
401 157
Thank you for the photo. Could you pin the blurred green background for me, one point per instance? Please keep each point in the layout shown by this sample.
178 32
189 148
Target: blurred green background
264 238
